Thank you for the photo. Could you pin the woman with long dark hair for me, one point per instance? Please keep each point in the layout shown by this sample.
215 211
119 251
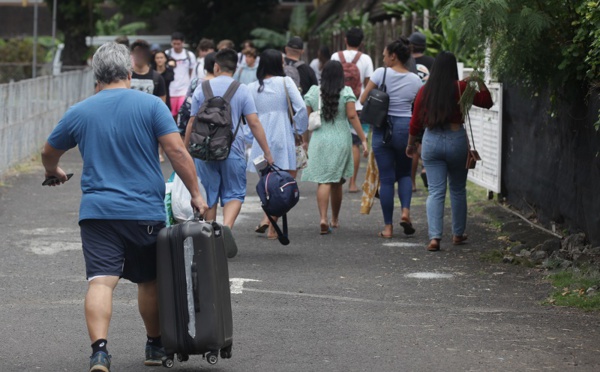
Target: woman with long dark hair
393 164
330 149
318 63
445 145
270 94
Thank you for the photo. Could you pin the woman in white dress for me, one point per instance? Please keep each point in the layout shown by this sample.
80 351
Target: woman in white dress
269 94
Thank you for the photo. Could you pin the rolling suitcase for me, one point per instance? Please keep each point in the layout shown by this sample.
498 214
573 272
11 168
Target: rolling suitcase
193 292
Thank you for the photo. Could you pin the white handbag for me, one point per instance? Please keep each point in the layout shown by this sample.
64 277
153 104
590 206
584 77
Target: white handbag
314 119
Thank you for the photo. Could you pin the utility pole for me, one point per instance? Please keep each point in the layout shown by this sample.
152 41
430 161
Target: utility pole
35 39
54 10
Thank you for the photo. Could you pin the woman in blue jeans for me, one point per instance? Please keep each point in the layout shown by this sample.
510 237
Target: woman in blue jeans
389 148
444 145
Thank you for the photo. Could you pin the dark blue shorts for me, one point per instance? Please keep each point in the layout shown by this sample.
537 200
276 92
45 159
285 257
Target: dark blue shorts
122 248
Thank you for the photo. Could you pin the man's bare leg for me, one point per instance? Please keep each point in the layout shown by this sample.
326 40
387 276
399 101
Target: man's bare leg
231 210
98 306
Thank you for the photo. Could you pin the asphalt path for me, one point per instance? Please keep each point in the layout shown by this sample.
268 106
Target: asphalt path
349 301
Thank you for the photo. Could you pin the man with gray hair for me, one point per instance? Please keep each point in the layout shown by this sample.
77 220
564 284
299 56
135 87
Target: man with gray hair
118 131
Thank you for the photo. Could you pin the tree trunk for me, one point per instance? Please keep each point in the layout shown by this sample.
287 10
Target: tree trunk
75 51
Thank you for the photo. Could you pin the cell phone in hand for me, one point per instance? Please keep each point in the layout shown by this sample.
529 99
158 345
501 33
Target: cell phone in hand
53 180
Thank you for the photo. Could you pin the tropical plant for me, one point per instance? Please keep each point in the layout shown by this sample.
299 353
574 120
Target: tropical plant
266 38
113 26
301 22
539 45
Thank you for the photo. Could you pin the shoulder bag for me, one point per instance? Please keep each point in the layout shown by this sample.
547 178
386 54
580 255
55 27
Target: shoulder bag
301 156
375 109
472 154
314 119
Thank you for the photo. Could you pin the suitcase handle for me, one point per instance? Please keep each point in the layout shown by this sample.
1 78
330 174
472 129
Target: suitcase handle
197 216
195 287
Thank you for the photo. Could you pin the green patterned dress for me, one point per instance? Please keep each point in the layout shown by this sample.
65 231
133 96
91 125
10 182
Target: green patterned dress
330 147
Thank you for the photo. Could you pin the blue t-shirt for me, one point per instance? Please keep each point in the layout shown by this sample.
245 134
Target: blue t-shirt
241 104
402 88
117 132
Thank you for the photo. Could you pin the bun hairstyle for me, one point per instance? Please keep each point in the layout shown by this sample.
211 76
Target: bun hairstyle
401 48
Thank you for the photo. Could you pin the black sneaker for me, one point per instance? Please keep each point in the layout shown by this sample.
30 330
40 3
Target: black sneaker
154 355
100 362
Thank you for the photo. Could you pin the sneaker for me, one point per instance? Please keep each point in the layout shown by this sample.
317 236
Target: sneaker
154 355
100 362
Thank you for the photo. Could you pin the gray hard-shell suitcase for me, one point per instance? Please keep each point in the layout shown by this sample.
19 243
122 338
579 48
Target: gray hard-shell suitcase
193 292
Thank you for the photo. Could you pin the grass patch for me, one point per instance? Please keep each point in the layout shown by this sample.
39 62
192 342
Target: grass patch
571 289
29 165
493 256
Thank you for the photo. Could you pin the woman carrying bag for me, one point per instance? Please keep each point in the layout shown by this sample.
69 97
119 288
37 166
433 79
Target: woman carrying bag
445 145
282 112
330 150
390 134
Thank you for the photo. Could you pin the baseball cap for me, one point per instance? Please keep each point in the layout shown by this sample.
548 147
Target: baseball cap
417 38
155 47
296 43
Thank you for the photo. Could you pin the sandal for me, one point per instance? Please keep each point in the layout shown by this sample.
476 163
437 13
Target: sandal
408 227
325 229
384 236
434 245
261 229
460 240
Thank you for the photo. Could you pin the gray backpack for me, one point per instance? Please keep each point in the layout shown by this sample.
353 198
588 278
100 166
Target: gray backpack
212 131
291 70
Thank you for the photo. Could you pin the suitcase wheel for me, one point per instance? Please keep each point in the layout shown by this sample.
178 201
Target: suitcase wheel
182 358
212 358
226 353
168 362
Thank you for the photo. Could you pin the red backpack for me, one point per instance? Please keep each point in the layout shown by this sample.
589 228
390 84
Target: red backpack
351 73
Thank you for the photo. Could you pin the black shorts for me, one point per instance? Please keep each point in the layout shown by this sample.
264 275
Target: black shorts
122 248
356 140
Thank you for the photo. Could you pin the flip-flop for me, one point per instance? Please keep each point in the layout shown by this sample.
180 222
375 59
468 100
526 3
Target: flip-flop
353 191
325 229
460 240
261 229
272 237
434 247
334 226
408 227
382 235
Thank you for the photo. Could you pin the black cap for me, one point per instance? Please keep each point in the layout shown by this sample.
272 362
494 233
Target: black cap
296 43
418 39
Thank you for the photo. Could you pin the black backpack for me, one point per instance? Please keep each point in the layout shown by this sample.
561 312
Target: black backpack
278 192
212 133
375 109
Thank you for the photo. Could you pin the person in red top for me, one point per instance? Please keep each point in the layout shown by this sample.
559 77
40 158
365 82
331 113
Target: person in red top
444 145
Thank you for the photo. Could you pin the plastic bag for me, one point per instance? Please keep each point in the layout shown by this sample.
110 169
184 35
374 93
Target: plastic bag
181 198
169 220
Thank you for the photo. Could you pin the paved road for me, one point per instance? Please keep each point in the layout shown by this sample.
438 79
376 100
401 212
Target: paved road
345 302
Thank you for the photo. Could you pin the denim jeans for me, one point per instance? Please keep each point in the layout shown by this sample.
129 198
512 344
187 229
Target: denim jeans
444 154
394 166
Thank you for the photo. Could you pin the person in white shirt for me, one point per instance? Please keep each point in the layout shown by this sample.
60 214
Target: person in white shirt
205 46
318 63
354 39
185 61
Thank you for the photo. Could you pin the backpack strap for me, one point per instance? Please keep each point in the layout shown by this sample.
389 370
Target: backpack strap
383 87
298 64
342 57
282 236
233 87
207 90
356 58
